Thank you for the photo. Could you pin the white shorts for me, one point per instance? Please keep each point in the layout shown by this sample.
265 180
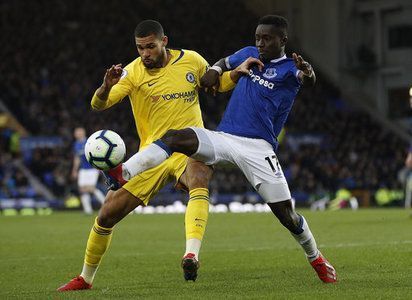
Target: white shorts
87 177
254 157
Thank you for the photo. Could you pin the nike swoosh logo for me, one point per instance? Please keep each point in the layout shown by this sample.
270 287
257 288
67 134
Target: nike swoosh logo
151 83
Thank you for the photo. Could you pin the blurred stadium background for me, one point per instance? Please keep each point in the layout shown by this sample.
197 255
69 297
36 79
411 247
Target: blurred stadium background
351 131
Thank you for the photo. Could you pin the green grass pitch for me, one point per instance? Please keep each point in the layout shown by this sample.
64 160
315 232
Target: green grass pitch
243 256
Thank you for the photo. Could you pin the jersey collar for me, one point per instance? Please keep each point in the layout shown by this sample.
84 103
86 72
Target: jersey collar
278 59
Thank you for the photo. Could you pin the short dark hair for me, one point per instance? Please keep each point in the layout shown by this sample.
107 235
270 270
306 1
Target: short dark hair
149 27
279 22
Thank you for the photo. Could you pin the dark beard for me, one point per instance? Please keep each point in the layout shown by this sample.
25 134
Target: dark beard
154 64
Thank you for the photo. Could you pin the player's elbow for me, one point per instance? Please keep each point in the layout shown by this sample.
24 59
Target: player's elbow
96 107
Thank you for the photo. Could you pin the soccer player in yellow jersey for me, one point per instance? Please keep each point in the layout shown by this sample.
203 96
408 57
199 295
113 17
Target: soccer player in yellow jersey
162 85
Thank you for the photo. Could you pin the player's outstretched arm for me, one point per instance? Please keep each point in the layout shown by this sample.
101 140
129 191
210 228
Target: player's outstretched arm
307 75
111 91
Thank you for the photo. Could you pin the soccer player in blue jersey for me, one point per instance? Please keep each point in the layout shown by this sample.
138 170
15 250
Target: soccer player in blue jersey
267 84
84 173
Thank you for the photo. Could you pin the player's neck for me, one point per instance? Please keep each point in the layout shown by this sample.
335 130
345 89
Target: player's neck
166 58
277 56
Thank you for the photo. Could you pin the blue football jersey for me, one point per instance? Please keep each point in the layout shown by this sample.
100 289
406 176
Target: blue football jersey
260 102
78 149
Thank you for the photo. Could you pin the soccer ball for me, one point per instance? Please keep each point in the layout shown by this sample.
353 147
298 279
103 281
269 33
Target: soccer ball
105 150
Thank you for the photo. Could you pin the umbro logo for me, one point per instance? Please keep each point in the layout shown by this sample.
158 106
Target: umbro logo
151 83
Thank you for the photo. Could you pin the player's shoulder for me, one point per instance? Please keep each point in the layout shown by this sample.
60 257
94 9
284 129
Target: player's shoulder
249 50
286 63
136 63
133 68
190 54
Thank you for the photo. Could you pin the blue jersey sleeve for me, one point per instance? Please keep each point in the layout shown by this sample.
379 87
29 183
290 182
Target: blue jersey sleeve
240 56
295 72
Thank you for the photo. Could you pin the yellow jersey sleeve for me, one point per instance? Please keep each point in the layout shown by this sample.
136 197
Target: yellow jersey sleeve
226 83
120 90
201 65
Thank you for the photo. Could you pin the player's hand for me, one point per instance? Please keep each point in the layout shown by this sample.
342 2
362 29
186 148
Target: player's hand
210 79
113 75
302 65
244 67
74 175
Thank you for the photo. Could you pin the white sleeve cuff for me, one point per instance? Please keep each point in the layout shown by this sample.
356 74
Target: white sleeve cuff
217 69
227 63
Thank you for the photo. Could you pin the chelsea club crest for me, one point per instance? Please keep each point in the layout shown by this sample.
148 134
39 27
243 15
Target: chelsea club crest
270 73
190 77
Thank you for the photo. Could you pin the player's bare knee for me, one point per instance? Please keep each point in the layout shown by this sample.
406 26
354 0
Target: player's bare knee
286 214
171 138
182 141
199 174
108 214
199 180
290 221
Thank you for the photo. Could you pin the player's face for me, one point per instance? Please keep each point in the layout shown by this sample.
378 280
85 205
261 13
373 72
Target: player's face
152 50
79 133
269 42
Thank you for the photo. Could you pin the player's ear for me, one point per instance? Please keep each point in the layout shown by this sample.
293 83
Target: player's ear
284 40
165 40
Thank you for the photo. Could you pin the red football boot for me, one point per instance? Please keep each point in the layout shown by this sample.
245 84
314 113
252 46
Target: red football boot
114 178
325 270
190 266
75 284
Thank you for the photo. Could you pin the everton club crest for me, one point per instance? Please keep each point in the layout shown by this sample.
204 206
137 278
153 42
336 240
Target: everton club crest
270 73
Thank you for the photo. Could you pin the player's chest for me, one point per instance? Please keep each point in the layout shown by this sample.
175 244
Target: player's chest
270 79
171 84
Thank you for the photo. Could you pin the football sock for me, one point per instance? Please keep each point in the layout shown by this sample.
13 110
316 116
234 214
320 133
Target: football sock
151 156
196 216
306 240
86 202
99 195
193 246
97 244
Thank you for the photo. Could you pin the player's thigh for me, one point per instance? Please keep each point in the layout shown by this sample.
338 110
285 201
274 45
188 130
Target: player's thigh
147 184
214 147
274 193
260 165
196 175
117 205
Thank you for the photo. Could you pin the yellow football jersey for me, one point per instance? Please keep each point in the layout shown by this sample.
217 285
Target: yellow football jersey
162 99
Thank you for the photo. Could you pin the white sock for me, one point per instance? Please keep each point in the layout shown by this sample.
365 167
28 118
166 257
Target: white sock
86 202
307 241
99 195
88 273
149 157
193 246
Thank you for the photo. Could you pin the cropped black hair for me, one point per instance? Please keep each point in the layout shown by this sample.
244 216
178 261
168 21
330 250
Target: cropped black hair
149 27
279 22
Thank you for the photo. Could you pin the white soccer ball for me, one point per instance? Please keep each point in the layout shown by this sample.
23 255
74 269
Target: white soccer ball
105 150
